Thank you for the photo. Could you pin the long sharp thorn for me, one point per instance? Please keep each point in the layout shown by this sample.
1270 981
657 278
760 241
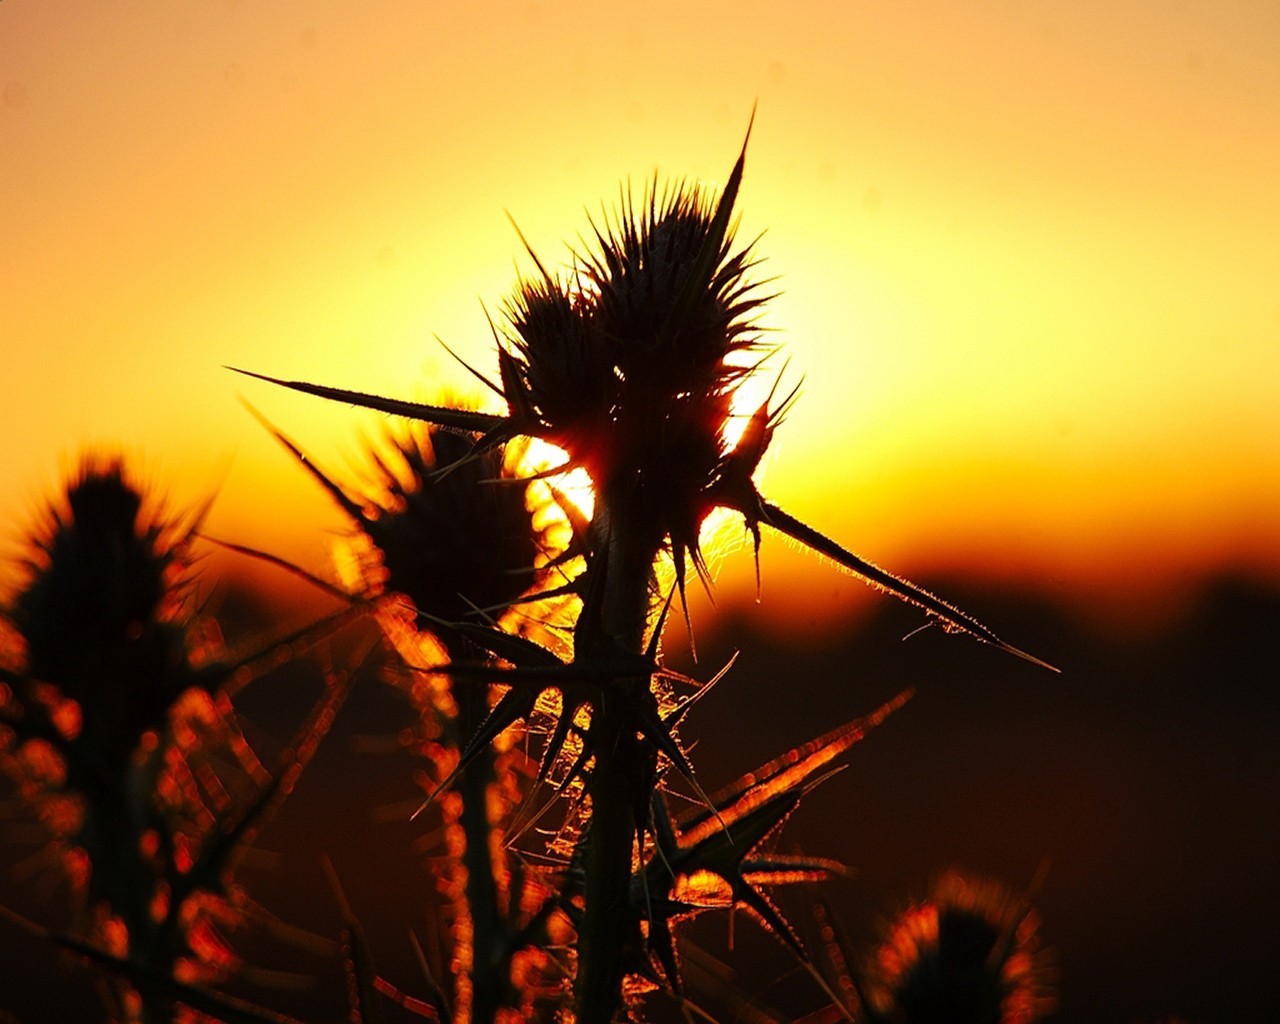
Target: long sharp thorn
679 713
353 510
461 419
469 368
784 522
651 651
287 566
704 265
529 249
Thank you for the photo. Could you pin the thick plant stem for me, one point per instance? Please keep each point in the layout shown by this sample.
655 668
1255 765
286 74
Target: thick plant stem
623 774
115 822
606 864
491 958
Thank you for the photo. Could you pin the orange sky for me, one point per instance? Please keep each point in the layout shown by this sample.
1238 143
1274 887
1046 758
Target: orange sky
1028 252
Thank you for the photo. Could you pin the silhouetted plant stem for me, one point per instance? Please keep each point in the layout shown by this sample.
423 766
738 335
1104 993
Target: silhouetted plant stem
606 862
122 882
620 783
490 951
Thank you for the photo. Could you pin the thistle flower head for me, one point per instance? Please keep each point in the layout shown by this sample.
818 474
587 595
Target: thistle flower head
672 295
448 524
967 955
451 526
633 369
457 535
103 613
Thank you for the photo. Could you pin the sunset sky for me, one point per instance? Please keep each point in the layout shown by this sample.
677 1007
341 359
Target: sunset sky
1029 253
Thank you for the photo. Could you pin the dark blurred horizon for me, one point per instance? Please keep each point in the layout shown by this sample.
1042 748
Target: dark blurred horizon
1140 786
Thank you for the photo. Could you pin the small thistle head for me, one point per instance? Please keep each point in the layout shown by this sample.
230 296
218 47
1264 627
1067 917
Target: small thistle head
103 614
967 955
451 526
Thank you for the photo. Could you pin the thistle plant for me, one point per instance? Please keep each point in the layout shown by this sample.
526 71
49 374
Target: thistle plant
116 726
631 363
444 542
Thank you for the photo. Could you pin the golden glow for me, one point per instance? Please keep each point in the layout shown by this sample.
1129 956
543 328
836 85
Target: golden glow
703 888
1026 253
575 485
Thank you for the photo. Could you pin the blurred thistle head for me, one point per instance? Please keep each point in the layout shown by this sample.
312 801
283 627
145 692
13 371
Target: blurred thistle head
969 954
631 364
103 612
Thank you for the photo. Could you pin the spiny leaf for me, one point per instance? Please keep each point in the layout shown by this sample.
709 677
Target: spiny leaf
514 705
510 647
773 920
792 769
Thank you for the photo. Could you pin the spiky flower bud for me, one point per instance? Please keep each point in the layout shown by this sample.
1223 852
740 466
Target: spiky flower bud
632 369
454 531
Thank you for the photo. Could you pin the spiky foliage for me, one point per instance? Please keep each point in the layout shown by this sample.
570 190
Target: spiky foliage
720 856
631 363
969 954
121 740
447 539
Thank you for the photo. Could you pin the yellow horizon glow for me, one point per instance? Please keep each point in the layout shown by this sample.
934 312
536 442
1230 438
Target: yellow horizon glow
1027 253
